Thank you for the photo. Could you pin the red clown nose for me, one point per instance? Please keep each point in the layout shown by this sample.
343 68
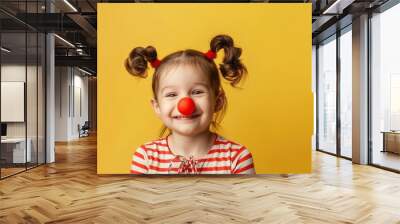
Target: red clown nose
186 106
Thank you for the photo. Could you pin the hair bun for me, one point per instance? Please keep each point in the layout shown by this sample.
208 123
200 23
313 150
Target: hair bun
136 63
232 68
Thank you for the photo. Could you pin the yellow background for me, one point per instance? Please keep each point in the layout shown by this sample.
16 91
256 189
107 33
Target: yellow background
272 115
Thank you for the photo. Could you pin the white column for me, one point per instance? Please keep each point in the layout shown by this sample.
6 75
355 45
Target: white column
50 110
50 92
360 90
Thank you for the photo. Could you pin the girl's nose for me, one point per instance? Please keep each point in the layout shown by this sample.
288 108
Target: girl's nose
186 106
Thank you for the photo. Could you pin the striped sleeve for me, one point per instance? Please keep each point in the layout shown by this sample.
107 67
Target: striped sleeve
243 162
139 164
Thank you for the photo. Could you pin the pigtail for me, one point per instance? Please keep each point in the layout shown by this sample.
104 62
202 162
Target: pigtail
232 68
136 63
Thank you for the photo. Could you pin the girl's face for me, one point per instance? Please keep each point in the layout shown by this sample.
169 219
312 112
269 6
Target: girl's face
177 83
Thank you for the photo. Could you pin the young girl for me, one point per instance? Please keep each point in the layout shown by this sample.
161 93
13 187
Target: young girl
189 99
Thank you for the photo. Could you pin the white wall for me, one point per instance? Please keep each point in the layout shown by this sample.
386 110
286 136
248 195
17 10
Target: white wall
71 93
79 117
12 73
62 78
33 127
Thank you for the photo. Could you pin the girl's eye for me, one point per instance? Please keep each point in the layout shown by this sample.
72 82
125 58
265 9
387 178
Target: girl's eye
197 92
170 95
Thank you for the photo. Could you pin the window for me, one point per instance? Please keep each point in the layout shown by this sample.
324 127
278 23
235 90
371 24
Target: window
327 95
385 88
346 93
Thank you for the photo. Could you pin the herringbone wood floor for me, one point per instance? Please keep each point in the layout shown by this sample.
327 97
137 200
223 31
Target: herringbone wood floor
70 191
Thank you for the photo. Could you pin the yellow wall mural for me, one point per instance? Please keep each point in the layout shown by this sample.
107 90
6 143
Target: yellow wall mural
272 111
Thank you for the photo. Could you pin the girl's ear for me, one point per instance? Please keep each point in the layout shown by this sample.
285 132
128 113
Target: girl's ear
220 101
156 107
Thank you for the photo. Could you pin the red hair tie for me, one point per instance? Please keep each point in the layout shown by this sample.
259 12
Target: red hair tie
210 54
155 63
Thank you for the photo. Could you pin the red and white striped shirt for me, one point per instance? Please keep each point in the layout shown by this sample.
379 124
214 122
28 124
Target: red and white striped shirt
224 157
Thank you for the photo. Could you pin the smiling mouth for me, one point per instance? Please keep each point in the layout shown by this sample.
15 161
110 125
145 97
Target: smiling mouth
183 117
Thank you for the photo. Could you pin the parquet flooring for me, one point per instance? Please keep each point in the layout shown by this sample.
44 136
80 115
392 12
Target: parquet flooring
70 191
10 171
